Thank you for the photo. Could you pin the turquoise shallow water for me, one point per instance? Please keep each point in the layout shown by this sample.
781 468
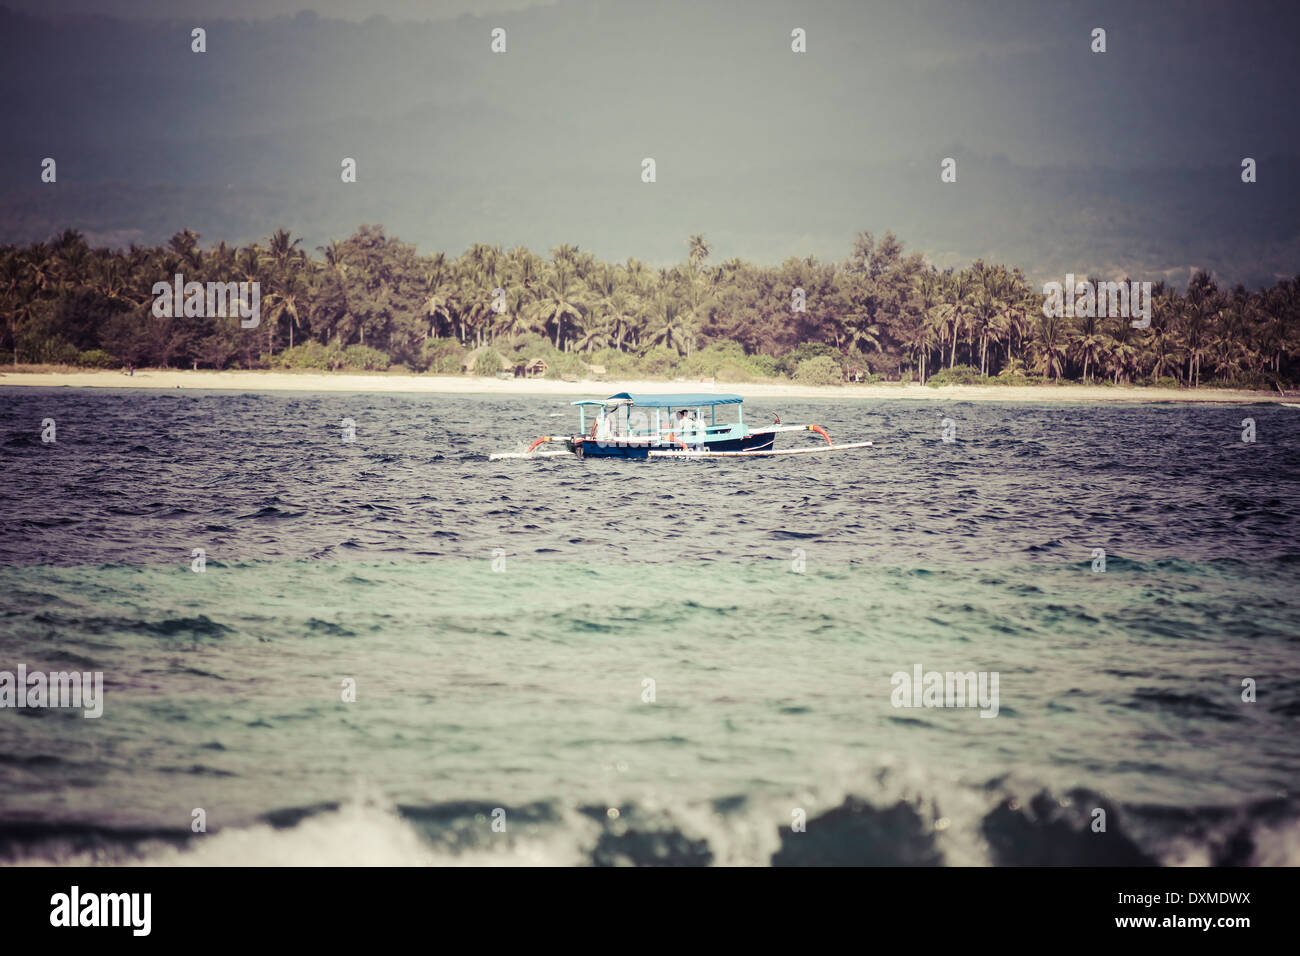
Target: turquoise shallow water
770 608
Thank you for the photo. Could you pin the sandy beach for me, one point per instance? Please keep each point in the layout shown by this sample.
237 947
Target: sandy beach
339 382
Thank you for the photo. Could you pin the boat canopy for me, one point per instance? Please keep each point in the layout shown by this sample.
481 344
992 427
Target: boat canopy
685 400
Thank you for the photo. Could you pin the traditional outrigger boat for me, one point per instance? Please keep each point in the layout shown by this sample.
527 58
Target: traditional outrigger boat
644 426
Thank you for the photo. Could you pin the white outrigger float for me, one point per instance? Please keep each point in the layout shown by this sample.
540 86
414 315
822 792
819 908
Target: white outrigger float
645 426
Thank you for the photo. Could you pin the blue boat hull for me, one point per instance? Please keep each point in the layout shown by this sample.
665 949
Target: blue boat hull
590 448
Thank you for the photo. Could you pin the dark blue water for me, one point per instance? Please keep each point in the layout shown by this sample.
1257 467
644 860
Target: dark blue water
500 621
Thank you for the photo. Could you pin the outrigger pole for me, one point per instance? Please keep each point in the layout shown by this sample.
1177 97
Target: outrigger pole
817 450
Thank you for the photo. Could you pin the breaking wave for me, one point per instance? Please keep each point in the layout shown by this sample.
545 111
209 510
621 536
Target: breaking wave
978 826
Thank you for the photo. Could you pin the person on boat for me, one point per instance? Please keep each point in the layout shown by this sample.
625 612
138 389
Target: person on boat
604 430
686 426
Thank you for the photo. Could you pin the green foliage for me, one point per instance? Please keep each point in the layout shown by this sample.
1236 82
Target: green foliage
96 358
731 372
706 362
38 345
657 362
957 375
1010 377
1165 381
330 358
790 362
727 362
819 370
563 365
766 366
487 363
371 302
367 359
1257 380
881 364
441 357
310 355
617 364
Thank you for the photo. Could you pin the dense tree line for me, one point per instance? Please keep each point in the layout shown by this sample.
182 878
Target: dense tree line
371 301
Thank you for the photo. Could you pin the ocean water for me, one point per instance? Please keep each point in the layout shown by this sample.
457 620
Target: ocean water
673 662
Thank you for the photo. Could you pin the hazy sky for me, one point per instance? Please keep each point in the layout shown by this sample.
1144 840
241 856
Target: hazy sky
1127 161
355 10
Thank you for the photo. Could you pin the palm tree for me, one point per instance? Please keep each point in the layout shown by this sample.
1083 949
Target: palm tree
283 261
699 297
597 334
860 331
668 319
186 246
921 339
477 292
699 251
439 293
1050 345
282 250
1198 307
1274 307
524 271
1163 346
640 294
41 267
1088 343
559 297
613 302
285 299
14 293
997 308
956 308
